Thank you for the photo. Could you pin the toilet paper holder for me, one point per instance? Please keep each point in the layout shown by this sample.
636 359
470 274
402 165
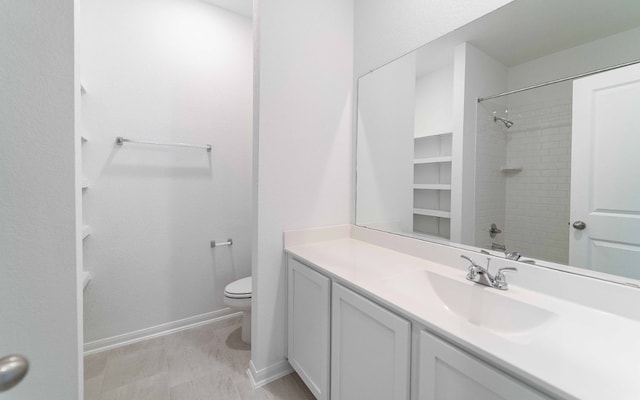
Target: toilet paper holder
229 242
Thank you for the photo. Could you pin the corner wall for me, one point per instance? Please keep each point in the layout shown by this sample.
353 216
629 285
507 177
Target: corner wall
302 138
39 306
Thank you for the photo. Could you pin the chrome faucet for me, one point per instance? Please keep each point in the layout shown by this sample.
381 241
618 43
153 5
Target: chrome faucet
479 274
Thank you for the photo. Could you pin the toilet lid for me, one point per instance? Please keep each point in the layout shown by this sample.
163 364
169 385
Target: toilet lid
239 288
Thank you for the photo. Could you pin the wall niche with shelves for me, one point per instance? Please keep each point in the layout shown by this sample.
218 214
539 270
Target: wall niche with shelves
432 148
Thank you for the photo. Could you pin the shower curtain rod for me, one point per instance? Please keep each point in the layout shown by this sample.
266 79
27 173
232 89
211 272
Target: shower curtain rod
121 140
570 78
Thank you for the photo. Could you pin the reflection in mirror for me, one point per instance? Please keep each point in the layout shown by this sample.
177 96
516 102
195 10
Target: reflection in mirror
548 172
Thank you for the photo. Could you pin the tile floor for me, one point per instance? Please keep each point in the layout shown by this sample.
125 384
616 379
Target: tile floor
203 363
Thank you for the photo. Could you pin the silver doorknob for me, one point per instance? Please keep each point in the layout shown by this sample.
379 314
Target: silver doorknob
579 225
12 370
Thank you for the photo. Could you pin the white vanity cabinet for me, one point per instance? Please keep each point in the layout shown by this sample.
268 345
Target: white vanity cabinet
449 373
309 300
370 349
347 347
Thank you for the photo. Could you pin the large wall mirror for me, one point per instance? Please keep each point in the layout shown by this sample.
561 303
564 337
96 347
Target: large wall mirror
517 135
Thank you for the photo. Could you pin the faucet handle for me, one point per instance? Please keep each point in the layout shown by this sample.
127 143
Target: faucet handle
473 263
473 268
500 280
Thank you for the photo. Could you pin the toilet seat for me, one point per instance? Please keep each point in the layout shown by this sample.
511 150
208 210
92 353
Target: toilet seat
240 289
237 295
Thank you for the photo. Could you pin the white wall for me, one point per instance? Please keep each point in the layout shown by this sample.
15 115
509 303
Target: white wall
434 102
303 135
386 29
38 230
487 75
174 71
475 73
385 132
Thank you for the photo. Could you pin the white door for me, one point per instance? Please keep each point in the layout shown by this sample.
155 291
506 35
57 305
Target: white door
605 173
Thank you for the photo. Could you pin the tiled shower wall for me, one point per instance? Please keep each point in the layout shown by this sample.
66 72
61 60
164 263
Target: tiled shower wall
530 206
537 198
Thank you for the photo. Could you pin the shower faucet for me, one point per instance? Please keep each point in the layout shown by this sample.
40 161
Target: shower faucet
508 124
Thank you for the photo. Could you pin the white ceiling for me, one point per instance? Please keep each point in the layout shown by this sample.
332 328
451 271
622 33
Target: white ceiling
242 7
528 29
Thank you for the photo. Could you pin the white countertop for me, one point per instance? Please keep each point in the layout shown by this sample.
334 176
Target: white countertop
581 353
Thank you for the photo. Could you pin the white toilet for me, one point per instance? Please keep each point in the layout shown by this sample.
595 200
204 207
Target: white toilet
237 295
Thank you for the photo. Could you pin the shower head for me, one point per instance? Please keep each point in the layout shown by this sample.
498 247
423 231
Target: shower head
505 121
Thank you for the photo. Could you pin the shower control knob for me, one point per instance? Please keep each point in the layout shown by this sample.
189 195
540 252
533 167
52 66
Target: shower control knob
579 225
493 230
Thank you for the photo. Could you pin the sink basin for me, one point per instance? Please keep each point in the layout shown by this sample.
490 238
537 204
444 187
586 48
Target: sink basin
487 307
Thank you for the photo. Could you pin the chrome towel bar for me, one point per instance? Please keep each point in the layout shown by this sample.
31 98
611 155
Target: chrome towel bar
121 140
229 242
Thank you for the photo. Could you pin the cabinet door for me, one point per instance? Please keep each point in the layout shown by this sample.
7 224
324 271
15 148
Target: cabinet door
449 373
370 350
309 329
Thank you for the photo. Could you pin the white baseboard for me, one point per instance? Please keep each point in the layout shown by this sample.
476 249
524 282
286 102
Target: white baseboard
268 374
158 330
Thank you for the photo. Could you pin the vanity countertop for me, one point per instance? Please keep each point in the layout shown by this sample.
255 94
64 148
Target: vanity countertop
580 353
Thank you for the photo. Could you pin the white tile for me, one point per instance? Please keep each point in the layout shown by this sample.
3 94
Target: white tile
194 362
206 362
92 387
207 387
151 388
95 365
125 369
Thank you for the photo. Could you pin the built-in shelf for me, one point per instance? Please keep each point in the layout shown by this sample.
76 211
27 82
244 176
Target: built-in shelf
432 186
432 213
432 160
433 148
85 278
431 135
432 235
86 231
510 168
